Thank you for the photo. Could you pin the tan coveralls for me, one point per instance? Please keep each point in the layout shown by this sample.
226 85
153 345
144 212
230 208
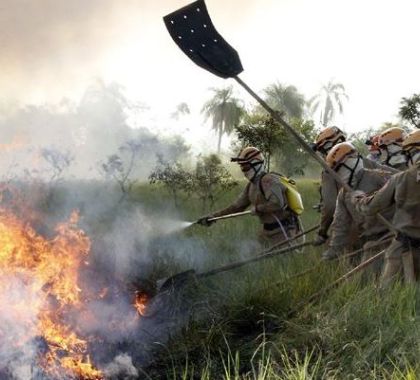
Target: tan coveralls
347 217
329 193
268 196
403 191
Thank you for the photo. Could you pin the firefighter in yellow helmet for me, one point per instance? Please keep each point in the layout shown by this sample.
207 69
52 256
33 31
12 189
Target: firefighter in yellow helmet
349 165
325 141
390 144
266 195
403 191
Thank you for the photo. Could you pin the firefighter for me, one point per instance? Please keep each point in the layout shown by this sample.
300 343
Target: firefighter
349 165
266 195
373 147
403 191
389 143
325 141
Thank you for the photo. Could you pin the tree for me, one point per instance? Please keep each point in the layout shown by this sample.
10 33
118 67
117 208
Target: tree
211 179
261 131
173 176
225 111
410 110
57 160
120 169
181 109
285 98
329 102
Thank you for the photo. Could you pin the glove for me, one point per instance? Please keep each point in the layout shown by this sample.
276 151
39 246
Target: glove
254 210
320 239
204 220
356 195
332 253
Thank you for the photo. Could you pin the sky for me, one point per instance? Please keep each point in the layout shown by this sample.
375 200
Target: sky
53 49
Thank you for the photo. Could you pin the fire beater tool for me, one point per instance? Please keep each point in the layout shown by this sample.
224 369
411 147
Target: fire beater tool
182 277
193 31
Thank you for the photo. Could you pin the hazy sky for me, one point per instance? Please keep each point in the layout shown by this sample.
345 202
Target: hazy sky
53 48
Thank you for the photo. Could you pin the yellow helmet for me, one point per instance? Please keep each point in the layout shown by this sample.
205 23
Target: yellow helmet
392 135
328 137
248 155
339 153
412 141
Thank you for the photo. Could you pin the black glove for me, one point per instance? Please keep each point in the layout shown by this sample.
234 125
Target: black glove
204 220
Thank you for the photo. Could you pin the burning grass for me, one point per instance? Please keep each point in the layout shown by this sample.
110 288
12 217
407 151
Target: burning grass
39 289
51 316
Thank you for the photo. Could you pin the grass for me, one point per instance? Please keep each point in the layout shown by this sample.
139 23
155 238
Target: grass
351 332
240 327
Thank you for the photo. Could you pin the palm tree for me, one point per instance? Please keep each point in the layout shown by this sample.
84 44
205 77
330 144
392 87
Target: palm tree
410 110
329 101
225 111
285 98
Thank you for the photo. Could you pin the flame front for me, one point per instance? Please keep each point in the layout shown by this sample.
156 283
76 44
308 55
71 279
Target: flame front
39 292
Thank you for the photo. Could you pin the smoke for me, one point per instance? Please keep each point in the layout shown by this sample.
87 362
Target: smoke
75 139
51 48
49 40
138 239
121 367
17 347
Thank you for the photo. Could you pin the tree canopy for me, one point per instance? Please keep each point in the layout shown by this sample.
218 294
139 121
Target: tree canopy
224 110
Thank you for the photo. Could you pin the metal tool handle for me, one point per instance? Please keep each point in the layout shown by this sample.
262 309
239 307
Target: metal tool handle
228 216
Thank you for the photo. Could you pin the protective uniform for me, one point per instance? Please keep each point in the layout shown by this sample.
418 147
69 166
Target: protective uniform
267 197
403 191
391 151
329 189
344 159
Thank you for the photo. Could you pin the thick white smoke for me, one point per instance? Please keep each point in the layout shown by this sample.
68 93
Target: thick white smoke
122 368
18 331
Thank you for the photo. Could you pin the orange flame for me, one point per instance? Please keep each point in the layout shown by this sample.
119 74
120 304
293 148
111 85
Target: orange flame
47 271
140 302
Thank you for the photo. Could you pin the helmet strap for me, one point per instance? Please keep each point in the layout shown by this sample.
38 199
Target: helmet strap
352 170
413 156
397 156
256 167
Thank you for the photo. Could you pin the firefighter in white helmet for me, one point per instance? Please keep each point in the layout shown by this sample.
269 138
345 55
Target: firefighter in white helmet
325 141
403 191
267 197
349 165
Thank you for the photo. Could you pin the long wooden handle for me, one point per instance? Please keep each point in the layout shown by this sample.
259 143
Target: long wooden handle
277 116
